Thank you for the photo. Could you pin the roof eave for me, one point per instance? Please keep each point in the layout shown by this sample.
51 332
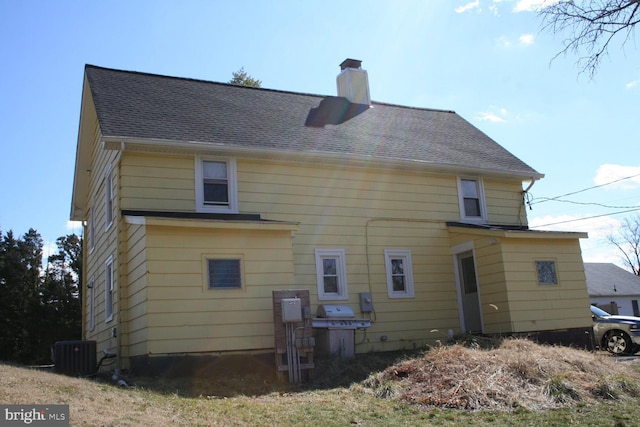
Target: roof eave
164 145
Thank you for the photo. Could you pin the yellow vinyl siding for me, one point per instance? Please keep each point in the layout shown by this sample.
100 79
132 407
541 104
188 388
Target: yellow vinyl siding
184 315
359 209
105 244
504 202
512 300
542 307
158 182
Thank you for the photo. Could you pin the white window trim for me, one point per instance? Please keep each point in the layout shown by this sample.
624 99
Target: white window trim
108 199
405 255
232 177
92 304
341 271
109 289
92 229
483 205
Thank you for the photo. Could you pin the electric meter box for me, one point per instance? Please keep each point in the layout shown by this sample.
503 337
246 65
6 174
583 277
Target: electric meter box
291 310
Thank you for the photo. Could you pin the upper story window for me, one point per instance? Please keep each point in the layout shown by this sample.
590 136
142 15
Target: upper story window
399 273
92 230
216 187
331 274
471 198
108 198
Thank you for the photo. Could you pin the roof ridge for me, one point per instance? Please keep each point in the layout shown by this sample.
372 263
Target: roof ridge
143 73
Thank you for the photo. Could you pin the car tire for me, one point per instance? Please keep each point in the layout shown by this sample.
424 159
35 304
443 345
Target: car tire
618 343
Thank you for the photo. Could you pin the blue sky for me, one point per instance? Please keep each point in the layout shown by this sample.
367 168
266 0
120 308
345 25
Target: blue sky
488 60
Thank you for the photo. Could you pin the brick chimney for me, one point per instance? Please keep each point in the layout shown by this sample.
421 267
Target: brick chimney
353 82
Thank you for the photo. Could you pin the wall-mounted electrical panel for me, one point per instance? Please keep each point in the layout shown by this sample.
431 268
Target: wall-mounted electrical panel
366 302
291 310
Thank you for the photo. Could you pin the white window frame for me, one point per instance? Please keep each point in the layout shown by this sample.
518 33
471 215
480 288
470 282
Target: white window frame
92 303
341 274
108 199
232 185
109 281
405 256
92 229
481 201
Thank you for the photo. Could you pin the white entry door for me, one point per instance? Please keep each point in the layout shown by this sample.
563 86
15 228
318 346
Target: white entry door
469 297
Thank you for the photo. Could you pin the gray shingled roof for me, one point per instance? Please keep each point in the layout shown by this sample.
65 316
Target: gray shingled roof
147 106
605 279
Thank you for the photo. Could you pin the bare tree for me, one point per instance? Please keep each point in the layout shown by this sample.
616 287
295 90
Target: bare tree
627 240
591 25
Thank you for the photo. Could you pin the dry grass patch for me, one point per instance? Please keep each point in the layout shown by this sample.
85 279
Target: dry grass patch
519 373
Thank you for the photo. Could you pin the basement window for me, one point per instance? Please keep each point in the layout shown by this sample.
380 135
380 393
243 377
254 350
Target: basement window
224 273
547 273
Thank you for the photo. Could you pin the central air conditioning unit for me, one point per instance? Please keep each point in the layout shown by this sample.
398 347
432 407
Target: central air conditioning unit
75 358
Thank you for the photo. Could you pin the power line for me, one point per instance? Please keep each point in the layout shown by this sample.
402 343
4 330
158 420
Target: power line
589 217
547 199
592 204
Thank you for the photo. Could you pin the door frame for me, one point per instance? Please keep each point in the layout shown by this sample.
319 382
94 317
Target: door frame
455 252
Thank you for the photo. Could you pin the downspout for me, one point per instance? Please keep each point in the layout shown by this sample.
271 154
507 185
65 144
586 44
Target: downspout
525 202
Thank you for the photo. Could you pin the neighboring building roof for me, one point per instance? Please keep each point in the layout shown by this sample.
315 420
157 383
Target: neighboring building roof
606 279
133 105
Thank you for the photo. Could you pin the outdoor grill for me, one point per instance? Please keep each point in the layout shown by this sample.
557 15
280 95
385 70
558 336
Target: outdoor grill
335 327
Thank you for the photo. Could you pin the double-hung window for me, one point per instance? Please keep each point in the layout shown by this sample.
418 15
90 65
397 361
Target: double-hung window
92 229
399 269
216 189
108 198
471 198
331 274
108 289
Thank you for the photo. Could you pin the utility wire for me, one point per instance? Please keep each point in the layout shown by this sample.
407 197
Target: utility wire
589 217
591 204
546 199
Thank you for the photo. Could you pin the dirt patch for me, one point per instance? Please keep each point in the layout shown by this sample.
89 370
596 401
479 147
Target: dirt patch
519 373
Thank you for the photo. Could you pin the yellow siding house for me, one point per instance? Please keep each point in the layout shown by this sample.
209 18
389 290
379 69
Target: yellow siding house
200 199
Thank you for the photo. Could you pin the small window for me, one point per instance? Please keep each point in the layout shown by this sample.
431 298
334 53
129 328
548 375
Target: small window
224 274
108 196
331 274
547 274
471 195
109 289
399 269
216 185
92 304
92 230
